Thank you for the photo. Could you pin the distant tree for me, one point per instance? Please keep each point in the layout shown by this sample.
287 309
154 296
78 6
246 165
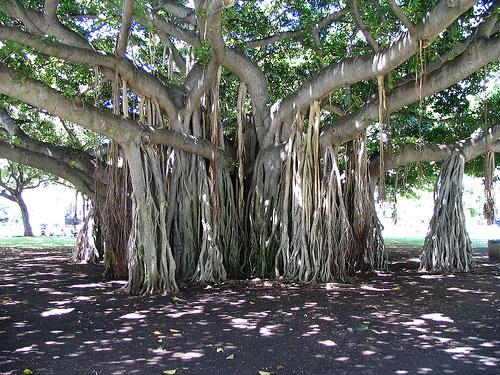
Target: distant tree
14 180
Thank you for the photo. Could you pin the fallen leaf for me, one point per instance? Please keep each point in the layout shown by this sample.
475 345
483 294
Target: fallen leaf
280 367
27 372
157 333
264 373
170 372
174 330
231 356
219 350
176 298
362 327
396 288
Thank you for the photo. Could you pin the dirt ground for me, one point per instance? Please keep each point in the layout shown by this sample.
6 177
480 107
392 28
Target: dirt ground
62 318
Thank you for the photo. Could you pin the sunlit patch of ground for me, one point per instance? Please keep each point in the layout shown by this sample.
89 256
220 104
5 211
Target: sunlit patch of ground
59 318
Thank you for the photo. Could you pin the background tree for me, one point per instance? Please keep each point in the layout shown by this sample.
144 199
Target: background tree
14 180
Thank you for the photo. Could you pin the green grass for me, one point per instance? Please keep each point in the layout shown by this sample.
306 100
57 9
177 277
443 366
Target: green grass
419 241
48 242
37 242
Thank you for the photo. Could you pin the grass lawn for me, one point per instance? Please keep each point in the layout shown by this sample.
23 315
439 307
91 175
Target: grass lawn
48 242
37 242
419 241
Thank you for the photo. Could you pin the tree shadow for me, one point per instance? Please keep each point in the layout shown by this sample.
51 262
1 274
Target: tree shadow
57 317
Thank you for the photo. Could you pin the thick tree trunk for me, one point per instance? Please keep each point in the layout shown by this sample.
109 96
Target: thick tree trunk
116 214
447 247
151 265
28 231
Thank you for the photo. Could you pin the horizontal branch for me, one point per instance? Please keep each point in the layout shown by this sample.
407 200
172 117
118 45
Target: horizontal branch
138 80
78 159
478 54
48 164
471 147
180 12
115 127
296 34
366 67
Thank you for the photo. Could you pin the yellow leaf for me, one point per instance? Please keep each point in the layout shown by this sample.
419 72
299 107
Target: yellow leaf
219 350
264 373
170 372
174 330
176 298
157 333
27 372
230 356
396 288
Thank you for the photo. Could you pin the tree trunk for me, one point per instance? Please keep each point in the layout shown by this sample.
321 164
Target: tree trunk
28 232
151 265
447 247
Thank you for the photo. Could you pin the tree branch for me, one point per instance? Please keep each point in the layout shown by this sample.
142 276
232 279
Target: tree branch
296 34
477 55
366 67
250 73
50 9
115 127
138 80
401 15
48 164
182 13
127 12
471 147
362 27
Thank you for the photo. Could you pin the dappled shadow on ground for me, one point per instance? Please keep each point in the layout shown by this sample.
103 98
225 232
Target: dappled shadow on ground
61 318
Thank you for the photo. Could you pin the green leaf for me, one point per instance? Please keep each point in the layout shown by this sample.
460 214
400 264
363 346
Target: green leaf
27 371
170 372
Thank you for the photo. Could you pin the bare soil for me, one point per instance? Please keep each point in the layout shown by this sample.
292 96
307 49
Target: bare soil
62 318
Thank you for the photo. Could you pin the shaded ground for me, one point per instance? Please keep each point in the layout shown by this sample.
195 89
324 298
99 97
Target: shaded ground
61 318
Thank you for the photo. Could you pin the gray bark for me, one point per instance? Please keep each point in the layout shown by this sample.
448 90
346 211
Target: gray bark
28 232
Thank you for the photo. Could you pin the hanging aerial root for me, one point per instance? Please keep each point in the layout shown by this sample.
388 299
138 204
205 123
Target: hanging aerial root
241 150
220 245
301 248
489 200
447 247
337 230
382 112
367 249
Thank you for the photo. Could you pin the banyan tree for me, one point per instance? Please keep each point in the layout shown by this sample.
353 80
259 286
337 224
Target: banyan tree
236 138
